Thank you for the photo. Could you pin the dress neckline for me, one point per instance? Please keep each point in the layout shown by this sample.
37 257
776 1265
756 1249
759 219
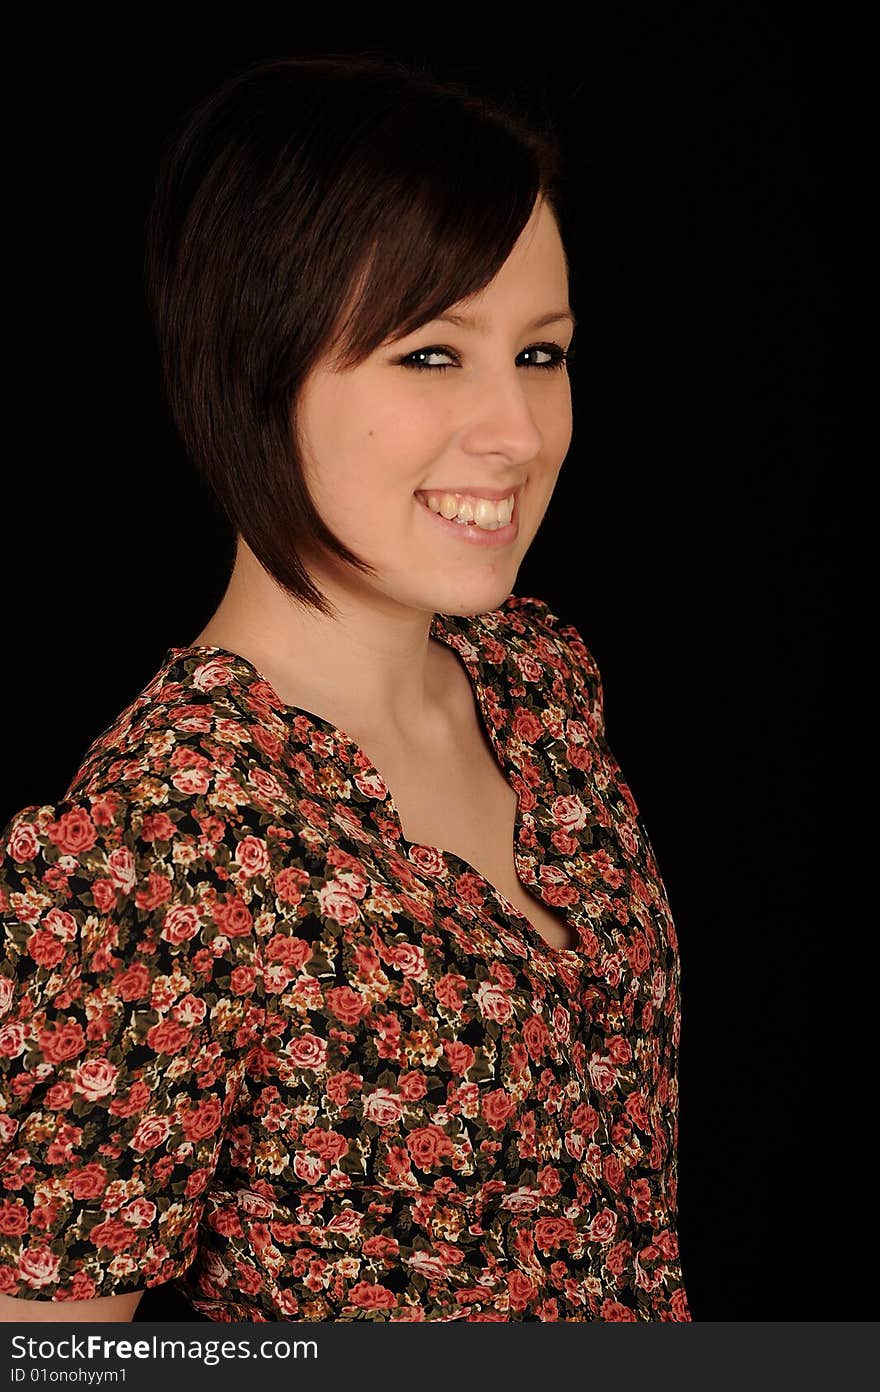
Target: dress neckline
445 628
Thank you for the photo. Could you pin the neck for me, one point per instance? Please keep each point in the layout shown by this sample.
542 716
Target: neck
373 667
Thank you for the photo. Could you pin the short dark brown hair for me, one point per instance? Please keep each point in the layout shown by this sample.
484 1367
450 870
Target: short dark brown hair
312 206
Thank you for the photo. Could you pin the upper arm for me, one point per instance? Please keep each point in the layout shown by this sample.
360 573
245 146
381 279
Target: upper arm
126 979
106 1309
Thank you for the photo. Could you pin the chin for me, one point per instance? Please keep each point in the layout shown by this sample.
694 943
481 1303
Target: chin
465 599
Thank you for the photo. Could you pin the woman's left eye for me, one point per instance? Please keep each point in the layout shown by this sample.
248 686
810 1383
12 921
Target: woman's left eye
558 357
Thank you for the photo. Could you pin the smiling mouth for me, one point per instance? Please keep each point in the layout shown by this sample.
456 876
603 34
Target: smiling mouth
468 510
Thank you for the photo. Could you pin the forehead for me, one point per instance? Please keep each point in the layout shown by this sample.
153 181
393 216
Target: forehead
535 275
532 283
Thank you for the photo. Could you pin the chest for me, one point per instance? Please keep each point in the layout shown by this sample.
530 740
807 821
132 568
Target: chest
462 802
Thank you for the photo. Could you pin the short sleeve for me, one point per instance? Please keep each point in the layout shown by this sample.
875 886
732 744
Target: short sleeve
128 1005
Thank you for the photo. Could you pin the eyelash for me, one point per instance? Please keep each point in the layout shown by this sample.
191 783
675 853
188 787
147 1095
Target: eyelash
561 356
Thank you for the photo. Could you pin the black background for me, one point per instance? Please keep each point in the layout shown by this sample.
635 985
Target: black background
693 537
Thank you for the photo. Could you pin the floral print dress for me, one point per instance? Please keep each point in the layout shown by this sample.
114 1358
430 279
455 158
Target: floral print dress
254 1042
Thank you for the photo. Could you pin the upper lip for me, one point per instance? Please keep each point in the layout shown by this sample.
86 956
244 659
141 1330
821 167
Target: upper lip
493 494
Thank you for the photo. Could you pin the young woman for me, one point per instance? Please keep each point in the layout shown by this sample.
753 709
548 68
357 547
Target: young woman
341 983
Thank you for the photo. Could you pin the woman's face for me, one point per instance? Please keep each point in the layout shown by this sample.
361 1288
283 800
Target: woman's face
384 438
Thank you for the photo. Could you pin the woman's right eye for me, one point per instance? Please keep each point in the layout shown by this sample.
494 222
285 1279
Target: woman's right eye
415 359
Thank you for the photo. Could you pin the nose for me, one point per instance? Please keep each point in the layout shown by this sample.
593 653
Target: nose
504 419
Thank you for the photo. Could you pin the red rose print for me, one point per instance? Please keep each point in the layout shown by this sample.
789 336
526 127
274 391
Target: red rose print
330 1145
233 917
371 1297
168 1037
412 1085
157 826
494 1003
427 1264
14 1218
678 1306
96 1078
554 1232
74 832
613 1311
603 1075
243 981
24 844
336 903
536 1036
309 1051
569 813
526 726
521 1289
113 1234
309 1168
619 1049
133 983
613 1172
548 1178
202 1120
638 954
347 1005
292 951
46 949
618 1257
428 860
383 1107
603 1226
497 1108
154 1131
90 1182
61 1042
39 1267
252 855
449 992
182 923
291 884
460 1057
428 1146
191 782
585 1118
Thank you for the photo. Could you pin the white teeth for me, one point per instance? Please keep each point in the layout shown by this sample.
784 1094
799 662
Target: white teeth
479 512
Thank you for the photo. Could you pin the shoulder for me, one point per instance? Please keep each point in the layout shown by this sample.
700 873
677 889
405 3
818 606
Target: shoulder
158 836
522 647
534 633
161 846
203 727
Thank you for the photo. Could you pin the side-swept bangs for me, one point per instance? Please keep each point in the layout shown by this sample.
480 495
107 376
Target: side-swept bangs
311 210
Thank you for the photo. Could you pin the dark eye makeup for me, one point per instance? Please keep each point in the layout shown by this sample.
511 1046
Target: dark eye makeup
559 357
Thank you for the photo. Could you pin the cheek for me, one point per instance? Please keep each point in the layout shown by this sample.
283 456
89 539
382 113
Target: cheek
558 425
347 498
365 496
376 432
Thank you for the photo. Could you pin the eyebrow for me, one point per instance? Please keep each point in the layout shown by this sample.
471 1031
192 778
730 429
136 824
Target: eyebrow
476 322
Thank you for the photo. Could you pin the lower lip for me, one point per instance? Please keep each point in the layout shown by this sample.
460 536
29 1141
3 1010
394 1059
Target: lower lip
470 533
